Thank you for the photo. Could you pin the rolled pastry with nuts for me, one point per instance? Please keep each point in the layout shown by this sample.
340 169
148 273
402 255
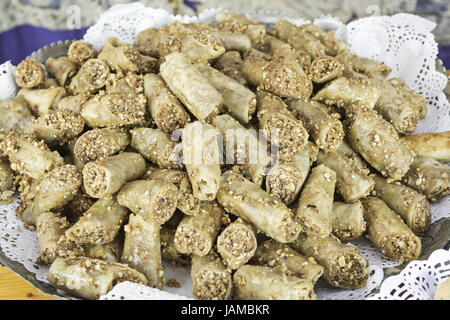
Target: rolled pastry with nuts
211 280
324 128
275 254
62 69
333 46
201 156
52 243
230 63
429 177
90 278
169 250
324 69
343 265
239 100
111 252
58 127
411 205
30 156
16 115
237 23
336 92
7 185
74 103
29 74
430 145
378 142
197 234
351 184
76 208
100 224
353 157
280 125
99 143
142 249
347 220
146 42
56 189
389 233
316 202
286 178
415 100
91 77
156 146
105 177
265 283
153 200
165 109
80 52
266 213
115 109
236 244
369 67
243 148
42 101
191 87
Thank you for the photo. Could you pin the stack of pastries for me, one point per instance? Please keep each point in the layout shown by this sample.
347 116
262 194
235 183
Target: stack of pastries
250 155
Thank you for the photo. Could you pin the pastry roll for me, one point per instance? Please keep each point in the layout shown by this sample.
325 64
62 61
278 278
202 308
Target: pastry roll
100 143
343 265
52 243
369 67
239 101
105 177
243 148
275 76
58 127
165 109
389 233
429 177
156 146
62 69
111 252
411 205
142 249
232 40
42 101
153 200
378 142
333 46
91 77
197 234
30 156
211 280
74 103
236 244
353 157
324 128
191 87
280 125
201 156
285 179
29 74
80 52
240 24
100 224
16 115
187 202
347 220
169 250
120 56
351 184
345 91
76 208
90 278
316 202
415 100
230 64
275 254
49 83
115 109
324 69
265 283
248 201
430 145
7 185
395 109
55 190
147 43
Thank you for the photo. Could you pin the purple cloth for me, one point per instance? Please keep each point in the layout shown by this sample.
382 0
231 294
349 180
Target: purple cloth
444 55
18 43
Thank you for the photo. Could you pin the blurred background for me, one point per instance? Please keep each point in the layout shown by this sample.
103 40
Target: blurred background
26 25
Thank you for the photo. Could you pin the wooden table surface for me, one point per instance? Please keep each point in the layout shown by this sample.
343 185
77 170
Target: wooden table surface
13 287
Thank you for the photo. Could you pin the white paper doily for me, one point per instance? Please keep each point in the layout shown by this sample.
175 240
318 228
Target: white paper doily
419 280
379 38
